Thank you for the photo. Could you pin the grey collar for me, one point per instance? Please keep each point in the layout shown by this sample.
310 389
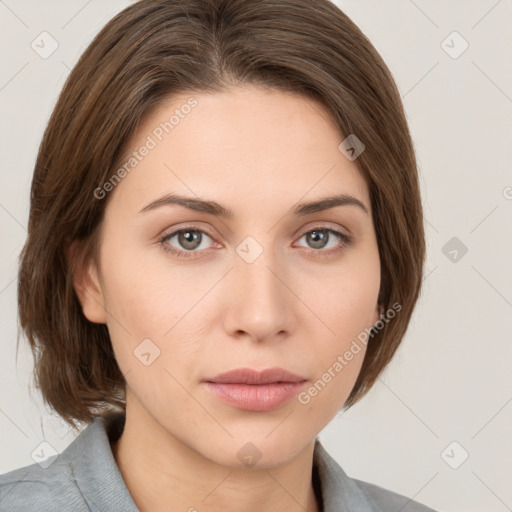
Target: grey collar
99 479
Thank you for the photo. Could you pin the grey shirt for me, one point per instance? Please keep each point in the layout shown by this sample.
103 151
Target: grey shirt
85 477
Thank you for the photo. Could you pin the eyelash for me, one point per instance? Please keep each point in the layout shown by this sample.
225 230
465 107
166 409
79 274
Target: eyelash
345 240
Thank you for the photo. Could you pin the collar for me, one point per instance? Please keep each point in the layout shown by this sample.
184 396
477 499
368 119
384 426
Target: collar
99 479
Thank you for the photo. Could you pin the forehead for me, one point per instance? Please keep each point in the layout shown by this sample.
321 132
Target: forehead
243 145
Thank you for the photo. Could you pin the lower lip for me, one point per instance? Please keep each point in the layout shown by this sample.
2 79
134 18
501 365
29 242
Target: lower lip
255 397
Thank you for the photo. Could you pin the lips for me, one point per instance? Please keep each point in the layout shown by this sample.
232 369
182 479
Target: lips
257 391
250 376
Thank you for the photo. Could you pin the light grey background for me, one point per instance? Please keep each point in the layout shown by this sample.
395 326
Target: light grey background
451 379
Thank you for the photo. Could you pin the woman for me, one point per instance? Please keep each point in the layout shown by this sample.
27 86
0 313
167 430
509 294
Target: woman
225 248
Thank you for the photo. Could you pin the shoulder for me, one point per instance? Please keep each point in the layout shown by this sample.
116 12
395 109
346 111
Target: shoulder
33 487
339 491
389 501
83 477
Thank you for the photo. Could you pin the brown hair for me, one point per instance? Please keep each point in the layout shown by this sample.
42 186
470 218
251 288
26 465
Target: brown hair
148 52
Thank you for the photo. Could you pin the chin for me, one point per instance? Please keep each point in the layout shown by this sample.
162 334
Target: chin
256 450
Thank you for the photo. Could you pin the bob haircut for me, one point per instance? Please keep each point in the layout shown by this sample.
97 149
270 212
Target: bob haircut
150 51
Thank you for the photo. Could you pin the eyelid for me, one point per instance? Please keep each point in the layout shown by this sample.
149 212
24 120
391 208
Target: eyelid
188 226
323 225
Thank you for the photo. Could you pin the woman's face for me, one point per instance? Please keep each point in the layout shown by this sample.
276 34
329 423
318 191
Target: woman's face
247 283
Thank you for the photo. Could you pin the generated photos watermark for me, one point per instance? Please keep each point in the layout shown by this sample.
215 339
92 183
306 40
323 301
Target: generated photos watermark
152 141
304 397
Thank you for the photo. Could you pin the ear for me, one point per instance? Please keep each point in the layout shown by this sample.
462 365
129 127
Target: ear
87 285
377 313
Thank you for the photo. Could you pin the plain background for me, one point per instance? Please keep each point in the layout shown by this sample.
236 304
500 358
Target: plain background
447 394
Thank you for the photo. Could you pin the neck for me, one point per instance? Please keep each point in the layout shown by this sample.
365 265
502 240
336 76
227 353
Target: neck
162 473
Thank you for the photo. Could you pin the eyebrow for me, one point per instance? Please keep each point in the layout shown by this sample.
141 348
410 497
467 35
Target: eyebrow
214 208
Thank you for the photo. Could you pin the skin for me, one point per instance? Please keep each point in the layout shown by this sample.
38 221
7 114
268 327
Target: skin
258 152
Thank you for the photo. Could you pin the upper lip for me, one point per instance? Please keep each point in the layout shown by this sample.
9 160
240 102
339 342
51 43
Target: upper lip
250 376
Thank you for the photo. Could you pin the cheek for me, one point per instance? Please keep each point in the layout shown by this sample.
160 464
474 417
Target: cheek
133 302
345 298
140 290
150 298
346 305
348 313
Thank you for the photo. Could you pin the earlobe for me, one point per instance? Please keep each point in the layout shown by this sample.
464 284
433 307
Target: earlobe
87 285
377 314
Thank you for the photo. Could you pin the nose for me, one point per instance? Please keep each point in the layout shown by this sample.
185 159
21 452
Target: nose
260 303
